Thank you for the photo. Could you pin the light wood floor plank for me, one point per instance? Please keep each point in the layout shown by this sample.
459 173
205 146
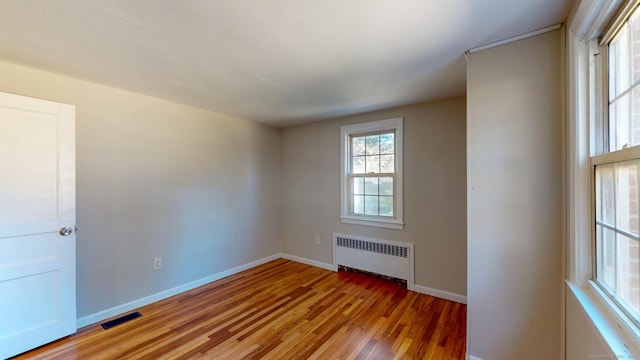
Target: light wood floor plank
280 310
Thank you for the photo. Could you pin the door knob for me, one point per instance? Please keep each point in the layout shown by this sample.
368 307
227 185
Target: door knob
66 231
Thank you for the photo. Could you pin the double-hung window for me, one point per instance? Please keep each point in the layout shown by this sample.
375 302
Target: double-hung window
371 173
616 166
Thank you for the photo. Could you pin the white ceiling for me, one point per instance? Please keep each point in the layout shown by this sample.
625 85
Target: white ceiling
280 62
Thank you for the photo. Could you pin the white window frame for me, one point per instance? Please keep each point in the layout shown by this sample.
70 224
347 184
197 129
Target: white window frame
346 132
602 154
586 111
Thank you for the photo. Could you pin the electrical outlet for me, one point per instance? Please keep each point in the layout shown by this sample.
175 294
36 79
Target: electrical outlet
157 264
317 240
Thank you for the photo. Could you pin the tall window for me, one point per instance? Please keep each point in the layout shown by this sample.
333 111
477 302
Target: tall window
617 169
371 176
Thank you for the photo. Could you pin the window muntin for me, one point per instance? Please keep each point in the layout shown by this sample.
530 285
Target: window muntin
371 174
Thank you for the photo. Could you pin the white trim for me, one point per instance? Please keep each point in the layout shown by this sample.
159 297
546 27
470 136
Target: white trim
631 153
609 327
515 38
440 294
583 109
607 12
417 288
578 175
309 262
471 357
582 17
621 318
397 222
389 224
116 310
621 9
590 17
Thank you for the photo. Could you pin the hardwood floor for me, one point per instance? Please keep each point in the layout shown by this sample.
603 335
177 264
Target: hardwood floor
280 310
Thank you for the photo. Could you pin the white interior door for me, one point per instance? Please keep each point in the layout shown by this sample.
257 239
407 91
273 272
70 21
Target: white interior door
37 221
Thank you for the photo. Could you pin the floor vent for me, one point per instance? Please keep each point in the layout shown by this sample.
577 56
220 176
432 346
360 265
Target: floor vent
121 320
384 257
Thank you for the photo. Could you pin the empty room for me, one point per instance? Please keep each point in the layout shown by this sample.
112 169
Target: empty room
356 179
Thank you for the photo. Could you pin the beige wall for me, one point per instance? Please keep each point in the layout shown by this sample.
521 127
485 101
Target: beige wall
159 179
434 190
515 206
207 192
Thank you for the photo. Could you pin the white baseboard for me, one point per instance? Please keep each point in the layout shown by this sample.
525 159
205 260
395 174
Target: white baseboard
417 288
116 310
471 357
310 262
443 295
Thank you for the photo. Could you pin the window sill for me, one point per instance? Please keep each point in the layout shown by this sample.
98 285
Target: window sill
389 224
620 335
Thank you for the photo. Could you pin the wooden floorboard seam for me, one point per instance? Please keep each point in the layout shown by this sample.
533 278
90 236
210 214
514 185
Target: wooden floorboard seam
280 310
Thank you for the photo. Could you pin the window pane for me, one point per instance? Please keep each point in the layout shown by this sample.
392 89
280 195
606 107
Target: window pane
599 251
358 204
620 59
371 186
358 166
627 196
371 205
613 120
386 144
619 123
358 185
386 164
357 146
605 194
373 164
613 67
628 276
373 145
386 186
635 41
606 273
386 205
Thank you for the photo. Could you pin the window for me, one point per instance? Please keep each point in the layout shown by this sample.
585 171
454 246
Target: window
617 235
624 85
616 169
371 174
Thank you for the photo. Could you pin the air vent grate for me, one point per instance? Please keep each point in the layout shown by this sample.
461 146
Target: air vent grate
120 320
380 248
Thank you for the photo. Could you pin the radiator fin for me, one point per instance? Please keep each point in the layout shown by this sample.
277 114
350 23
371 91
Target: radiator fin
387 249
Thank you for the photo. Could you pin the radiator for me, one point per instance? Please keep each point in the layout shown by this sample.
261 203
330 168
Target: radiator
385 257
